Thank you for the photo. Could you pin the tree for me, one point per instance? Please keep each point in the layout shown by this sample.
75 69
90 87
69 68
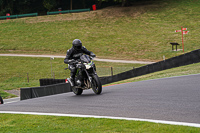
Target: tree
125 3
49 4
9 6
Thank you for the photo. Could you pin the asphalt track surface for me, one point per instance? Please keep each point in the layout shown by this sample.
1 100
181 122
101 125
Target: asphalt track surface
169 99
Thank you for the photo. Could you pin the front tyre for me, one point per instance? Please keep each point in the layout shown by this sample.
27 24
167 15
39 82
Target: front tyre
96 85
77 91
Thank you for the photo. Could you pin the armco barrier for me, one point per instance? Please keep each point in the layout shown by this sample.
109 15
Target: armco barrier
57 12
79 10
185 59
44 82
27 15
19 16
34 92
56 86
68 11
11 16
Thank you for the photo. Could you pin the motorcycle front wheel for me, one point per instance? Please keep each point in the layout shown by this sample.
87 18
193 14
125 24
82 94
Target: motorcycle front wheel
96 85
77 91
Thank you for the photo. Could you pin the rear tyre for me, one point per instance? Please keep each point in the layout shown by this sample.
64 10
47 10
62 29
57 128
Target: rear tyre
77 91
96 85
1 100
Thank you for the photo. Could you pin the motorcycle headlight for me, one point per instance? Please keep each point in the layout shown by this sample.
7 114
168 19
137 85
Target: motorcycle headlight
87 66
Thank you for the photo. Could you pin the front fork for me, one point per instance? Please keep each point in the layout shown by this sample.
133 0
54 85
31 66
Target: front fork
89 77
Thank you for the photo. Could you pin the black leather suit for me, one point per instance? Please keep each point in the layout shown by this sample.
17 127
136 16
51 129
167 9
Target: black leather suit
75 54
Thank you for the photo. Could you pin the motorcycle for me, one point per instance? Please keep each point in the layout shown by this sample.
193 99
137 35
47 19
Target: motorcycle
86 76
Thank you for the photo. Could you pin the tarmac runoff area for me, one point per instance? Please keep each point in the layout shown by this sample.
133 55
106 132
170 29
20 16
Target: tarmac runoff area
97 59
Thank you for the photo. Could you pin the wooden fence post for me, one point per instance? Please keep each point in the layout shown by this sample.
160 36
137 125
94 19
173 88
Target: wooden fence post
27 78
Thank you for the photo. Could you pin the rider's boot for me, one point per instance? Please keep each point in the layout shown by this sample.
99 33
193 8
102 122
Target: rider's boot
72 78
72 81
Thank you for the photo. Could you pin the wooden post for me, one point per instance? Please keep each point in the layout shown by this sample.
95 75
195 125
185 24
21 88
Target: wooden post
111 71
27 78
71 5
182 38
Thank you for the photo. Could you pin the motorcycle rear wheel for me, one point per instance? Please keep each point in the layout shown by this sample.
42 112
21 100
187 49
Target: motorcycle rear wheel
77 91
96 85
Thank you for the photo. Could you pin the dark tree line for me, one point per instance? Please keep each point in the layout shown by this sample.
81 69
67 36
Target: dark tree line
42 6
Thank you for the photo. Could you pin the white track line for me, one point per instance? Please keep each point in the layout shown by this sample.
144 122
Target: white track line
107 117
11 100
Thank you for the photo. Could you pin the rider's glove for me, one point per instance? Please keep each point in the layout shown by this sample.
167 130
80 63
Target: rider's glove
92 55
72 61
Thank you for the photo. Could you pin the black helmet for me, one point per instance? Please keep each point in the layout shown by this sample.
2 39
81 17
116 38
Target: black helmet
77 44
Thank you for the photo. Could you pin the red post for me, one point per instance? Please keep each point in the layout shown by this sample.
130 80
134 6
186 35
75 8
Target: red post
8 14
94 7
182 32
59 9
182 38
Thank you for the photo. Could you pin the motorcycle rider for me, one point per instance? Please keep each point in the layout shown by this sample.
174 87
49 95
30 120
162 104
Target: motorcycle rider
73 54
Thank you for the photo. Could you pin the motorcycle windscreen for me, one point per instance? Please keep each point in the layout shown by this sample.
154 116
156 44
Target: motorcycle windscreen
85 58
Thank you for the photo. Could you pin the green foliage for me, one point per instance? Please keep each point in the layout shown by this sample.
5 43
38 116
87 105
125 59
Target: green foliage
39 6
49 4
19 6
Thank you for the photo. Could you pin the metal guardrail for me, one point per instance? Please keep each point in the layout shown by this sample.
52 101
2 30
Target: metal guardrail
5 17
19 16
48 13
181 60
57 86
79 10
68 11
27 15
57 12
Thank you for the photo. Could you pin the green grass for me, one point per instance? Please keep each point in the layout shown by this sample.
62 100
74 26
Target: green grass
141 32
34 123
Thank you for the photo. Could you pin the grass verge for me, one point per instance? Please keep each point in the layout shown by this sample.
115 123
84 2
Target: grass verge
34 123
140 32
